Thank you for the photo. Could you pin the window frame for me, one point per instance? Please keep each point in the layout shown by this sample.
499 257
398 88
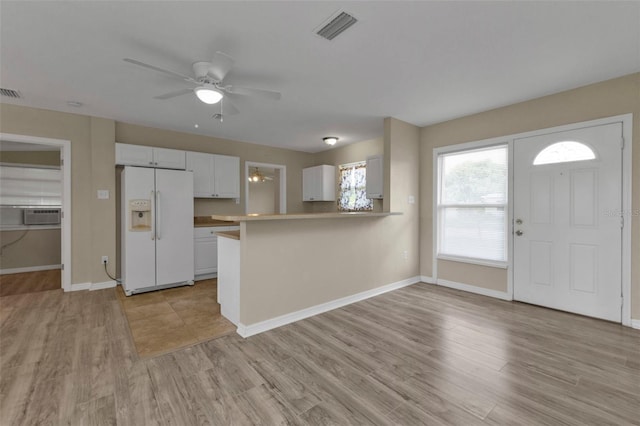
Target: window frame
438 207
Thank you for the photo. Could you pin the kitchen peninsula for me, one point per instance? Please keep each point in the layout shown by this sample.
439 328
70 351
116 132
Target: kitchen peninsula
282 268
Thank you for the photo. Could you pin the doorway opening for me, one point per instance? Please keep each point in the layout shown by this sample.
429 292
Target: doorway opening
265 188
35 203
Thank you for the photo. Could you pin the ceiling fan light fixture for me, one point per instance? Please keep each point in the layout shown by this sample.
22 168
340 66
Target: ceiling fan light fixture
330 140
208 95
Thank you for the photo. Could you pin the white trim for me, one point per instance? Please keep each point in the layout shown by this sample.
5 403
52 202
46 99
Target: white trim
426 279
65 154
474 261
29 269
80 287
635 323
474 289
627 168
262 326
283 183
103 285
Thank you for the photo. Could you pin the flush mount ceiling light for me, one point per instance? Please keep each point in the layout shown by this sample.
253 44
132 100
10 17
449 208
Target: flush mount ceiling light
208 95
330 140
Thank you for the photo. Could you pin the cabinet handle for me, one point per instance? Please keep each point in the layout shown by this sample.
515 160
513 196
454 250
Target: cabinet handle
151 163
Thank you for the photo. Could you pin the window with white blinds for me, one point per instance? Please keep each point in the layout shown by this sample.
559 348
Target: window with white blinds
472 205
30 186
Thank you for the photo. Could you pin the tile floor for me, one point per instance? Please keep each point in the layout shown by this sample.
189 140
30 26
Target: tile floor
166 320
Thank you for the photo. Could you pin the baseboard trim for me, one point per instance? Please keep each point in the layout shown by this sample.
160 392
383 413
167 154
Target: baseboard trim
80 287
635 323
260 327
103 285
92 286
428 280
29 269
473 289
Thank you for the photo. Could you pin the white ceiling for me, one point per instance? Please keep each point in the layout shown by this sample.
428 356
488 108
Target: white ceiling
421 62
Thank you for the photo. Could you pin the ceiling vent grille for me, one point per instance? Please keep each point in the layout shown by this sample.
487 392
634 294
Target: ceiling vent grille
10 93
337 26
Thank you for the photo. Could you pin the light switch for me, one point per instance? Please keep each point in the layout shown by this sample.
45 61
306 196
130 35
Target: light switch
103 194
411 199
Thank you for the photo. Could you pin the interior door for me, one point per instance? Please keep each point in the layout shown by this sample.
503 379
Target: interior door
174 226
567 229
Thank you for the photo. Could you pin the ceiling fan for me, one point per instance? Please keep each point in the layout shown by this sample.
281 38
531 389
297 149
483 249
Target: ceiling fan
208 83
258 176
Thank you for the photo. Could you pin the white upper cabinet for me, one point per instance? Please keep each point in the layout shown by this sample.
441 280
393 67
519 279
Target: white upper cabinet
319 183
169 158
147 156
226 171
214 176
375 181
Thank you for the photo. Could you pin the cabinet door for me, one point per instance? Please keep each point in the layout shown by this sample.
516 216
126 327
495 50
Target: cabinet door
201 165
206 255
226 176
374 177
318 183
311 184
169 158
134 155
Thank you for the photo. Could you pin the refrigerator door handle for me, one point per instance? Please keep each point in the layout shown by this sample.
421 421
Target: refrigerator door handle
158 208
153 227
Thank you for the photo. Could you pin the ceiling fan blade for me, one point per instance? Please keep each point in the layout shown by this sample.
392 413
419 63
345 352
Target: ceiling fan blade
228 108
247 91
174 94
167 72
220 65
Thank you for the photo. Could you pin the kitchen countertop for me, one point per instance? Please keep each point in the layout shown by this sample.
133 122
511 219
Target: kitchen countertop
335 215
208 222
229 234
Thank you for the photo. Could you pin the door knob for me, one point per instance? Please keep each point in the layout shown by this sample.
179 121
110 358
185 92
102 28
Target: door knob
519 221
519 232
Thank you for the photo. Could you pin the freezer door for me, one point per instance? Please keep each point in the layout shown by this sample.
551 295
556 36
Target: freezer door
174 226
138 253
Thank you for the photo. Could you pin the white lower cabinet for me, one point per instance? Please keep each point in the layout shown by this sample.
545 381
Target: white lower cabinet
206 251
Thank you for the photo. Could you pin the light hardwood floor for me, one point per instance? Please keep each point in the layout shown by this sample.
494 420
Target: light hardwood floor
419 355
29 282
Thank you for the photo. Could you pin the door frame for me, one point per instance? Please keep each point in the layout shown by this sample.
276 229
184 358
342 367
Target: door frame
283 183
625 213
65 223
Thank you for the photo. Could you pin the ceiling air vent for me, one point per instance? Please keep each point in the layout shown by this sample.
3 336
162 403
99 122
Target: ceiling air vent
336 26
10 93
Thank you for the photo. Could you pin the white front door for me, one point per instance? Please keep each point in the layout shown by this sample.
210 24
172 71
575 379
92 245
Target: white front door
567 228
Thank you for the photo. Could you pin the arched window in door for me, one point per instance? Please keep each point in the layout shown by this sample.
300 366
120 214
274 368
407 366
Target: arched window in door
564 152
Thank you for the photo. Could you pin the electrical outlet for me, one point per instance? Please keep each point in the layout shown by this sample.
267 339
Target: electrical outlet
105 260
405 254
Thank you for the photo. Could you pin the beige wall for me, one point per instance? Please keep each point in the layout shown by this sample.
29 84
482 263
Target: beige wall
351 153
90 239
295 161
320 260
262 197
38 247
41 158
605 99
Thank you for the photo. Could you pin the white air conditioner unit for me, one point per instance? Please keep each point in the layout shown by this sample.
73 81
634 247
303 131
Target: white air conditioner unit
41 216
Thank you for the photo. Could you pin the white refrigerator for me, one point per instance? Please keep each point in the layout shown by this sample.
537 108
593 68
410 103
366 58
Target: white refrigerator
157 229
